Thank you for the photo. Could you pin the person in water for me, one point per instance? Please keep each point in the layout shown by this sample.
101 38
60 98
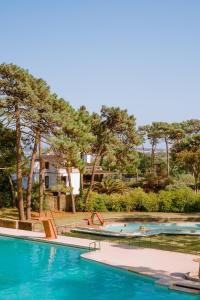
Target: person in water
122 228
142 228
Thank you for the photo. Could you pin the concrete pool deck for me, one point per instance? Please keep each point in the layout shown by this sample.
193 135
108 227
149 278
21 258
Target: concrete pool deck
164 266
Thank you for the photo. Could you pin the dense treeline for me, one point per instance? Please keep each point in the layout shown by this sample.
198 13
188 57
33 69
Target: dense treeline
32 116
182 150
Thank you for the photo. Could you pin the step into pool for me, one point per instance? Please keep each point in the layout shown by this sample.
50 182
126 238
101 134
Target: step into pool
35 270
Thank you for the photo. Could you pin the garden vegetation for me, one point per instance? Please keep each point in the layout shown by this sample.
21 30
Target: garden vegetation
182 200
34 120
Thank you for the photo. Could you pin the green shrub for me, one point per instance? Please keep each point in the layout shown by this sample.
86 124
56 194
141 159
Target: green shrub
183 200
196 204
151 203
178 200
80 203
110 186
35 197
137 199
176 186
97 202
114 202
165 201
5 193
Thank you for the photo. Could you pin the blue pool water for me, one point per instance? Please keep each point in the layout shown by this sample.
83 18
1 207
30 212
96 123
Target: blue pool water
31 270
187 228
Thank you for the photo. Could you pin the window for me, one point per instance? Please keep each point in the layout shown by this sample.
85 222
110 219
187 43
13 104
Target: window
46 182
46 165
63 179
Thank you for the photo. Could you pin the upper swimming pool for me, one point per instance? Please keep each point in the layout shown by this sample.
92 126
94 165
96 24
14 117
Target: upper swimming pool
155 228
34 270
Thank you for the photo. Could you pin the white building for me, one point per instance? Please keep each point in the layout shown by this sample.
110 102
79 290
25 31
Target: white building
54 174
89 158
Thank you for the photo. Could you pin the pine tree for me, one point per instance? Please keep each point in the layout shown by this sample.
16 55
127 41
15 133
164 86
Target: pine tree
113 129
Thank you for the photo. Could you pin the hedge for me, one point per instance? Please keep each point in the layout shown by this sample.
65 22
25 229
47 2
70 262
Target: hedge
181 200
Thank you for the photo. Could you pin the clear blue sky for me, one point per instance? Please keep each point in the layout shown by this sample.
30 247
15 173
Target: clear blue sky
141 55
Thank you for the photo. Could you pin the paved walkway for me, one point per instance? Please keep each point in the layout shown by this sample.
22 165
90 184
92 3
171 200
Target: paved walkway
165 266
151 262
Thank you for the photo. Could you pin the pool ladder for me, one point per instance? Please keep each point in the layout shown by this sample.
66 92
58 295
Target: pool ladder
94 246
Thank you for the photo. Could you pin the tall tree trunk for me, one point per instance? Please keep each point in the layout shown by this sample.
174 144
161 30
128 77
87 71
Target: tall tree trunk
30 179
196 178
167 156
41 179
81 170
12 191
59 200
58 183
71 190
19 165
81 182
92 178
153 150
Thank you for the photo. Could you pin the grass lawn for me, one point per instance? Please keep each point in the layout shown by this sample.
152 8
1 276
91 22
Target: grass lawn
180 243
63 218
176 243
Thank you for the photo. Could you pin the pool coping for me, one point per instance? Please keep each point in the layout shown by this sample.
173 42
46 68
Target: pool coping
42 239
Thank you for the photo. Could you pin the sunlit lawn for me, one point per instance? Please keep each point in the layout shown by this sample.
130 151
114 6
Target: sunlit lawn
69 218
177 243
63 218
188 244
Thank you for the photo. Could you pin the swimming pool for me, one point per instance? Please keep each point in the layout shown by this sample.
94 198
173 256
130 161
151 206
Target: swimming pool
35 270
154 228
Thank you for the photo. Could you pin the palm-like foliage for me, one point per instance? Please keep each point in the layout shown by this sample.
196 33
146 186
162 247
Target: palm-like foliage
110 186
